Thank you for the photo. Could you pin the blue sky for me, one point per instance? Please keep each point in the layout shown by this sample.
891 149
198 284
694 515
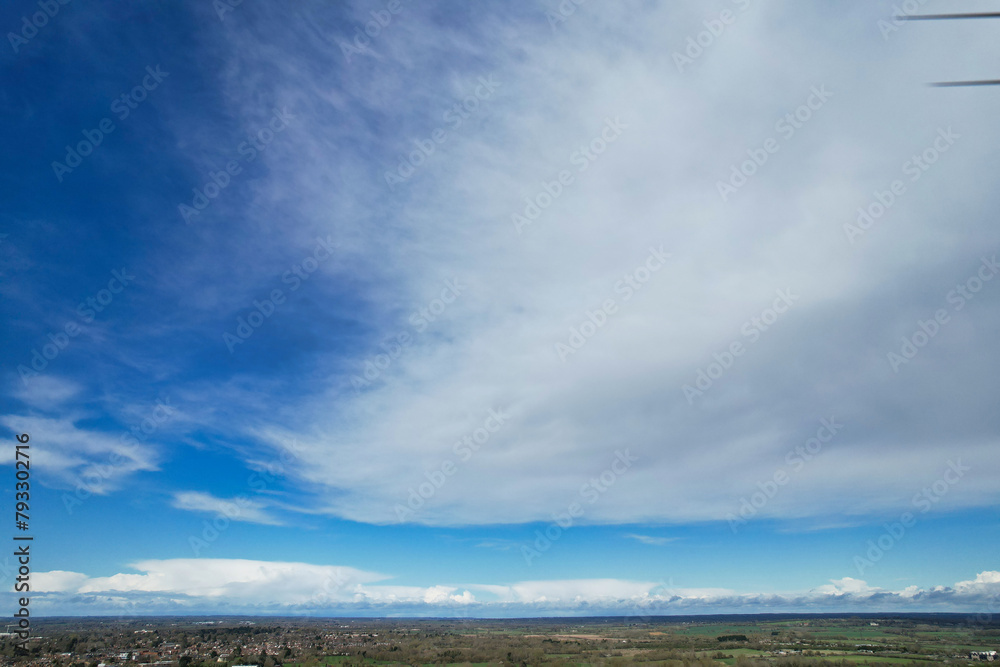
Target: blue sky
501 311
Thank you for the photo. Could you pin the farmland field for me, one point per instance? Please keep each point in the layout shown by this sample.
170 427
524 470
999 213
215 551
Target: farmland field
653 640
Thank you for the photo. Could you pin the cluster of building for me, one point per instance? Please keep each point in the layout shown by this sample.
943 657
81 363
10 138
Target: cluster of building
189 645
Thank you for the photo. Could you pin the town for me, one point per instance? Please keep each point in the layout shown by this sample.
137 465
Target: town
745 640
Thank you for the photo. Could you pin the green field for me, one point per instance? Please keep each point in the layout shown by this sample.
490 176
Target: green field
745 641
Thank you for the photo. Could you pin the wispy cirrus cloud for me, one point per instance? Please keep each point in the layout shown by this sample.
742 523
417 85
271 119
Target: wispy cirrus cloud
47 391
654 185
650 539
239 508
73 455
495 347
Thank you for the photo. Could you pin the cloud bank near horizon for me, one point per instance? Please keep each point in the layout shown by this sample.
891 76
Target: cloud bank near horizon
239 586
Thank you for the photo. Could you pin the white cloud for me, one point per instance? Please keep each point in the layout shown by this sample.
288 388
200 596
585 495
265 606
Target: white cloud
266 587
649 539
57 581
75 456
847 585
571 591
47 391
237 580
985 582
240 508
494 348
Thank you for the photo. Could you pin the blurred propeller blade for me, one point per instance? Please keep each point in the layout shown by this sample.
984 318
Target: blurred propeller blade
934 17
951 84
968 15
